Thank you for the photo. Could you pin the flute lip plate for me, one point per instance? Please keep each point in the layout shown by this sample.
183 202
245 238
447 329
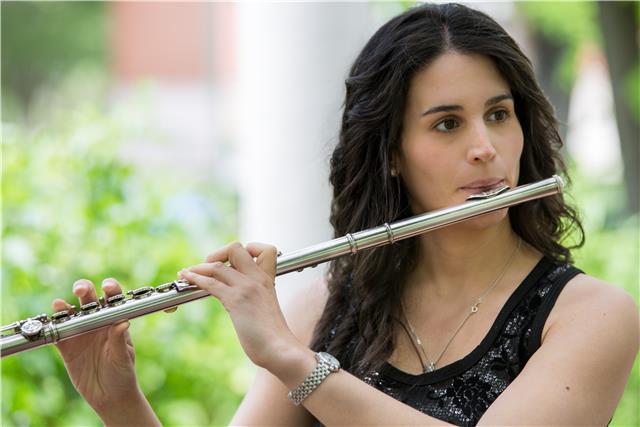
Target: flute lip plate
488 194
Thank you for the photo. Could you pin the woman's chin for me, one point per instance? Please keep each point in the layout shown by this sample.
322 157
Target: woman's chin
486 220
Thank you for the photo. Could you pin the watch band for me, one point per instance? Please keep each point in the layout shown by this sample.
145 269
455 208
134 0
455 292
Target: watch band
326 365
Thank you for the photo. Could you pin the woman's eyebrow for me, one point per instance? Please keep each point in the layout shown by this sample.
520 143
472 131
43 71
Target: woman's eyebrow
441 108
494 100
446 108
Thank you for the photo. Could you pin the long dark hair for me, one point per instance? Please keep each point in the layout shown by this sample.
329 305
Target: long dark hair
364 305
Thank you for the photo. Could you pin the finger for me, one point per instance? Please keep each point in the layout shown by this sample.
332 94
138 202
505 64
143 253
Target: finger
214 286
241 259
85 291
127 337
118 340
266 256
60 304
218 271
219 255
237 256
111 287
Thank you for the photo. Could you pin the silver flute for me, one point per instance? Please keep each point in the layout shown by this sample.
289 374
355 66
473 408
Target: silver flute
42 330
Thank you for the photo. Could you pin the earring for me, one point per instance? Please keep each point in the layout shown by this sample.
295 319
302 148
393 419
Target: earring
394 172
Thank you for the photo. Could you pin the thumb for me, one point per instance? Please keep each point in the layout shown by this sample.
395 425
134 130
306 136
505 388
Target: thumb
117 338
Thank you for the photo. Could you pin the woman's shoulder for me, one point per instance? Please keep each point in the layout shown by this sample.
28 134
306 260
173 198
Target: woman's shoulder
588 303
304 307
590 293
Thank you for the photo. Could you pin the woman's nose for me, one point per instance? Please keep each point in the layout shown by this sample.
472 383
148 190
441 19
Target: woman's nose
481 147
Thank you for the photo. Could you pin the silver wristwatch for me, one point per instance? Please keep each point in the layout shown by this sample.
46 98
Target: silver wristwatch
326 365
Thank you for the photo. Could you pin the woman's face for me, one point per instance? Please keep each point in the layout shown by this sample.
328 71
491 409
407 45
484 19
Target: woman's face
461 135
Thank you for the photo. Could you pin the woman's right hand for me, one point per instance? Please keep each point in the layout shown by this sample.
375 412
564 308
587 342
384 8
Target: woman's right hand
101 363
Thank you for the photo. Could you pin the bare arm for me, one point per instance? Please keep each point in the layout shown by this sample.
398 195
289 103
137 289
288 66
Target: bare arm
266 401
340 400
575 378
578 375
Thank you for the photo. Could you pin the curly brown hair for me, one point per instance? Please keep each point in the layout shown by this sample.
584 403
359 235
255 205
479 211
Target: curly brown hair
365 290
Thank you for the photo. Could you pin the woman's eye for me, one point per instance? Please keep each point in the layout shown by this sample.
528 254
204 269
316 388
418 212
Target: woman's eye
499 116
447 125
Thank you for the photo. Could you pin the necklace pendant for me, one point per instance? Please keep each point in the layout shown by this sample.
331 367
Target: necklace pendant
431 367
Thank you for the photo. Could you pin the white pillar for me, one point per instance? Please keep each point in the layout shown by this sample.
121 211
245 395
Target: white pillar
292 59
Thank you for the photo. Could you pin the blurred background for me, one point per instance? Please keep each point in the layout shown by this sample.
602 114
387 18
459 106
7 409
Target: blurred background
139 136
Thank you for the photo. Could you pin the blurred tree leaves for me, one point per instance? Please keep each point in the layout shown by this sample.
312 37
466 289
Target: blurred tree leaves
74 207
561 30
37 49
570 24
619 23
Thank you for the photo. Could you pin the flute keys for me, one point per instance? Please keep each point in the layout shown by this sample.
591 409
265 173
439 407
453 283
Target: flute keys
143 292
60 316
31 328
115 300
89 308
165 287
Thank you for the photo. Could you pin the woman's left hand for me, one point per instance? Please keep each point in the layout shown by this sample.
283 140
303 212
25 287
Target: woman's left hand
246 289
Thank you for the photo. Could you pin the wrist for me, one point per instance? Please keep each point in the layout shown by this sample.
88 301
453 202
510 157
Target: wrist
134 410
327 364
293 364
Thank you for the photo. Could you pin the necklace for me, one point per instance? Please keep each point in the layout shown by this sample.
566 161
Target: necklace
430 366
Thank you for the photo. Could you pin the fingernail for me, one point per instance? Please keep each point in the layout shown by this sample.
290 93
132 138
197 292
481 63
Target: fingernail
108 281
78 285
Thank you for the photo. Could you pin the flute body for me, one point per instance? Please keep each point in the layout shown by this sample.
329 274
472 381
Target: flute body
42 330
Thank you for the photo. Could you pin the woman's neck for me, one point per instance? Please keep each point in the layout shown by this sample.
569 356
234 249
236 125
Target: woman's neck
461 260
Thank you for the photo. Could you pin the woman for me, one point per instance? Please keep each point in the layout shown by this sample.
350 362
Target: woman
484 322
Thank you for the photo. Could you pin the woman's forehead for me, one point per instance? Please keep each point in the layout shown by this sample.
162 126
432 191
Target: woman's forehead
455 78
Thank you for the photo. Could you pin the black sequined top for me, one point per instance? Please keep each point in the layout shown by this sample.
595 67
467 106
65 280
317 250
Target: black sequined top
461 392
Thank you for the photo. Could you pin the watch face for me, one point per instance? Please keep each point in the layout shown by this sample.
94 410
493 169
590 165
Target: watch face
31 327
333 363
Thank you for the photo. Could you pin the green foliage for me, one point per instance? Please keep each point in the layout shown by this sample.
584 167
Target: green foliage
42 41
610 253
570 24
572 21
73 208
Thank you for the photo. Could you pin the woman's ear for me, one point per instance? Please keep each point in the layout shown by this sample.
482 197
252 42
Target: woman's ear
393 166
